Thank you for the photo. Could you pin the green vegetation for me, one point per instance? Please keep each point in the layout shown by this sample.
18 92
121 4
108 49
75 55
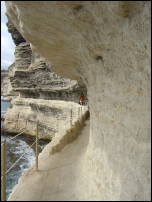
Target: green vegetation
4 70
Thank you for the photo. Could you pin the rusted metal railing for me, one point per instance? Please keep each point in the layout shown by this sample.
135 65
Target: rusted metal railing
4 149
71 117
4 167
37 143
4 159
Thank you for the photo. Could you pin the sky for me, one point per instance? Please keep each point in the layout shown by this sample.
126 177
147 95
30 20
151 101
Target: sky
7 44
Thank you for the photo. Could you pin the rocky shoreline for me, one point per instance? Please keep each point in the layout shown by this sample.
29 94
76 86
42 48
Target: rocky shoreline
38 87
7 93
53 116
8 98
106 46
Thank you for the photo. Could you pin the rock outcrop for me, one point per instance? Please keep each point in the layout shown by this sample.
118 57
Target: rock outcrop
16 36
54 118
7 92
107 44
30 77
5 83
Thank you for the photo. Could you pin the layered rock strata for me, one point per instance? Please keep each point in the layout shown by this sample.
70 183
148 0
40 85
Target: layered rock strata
7 92
32 77
43 84
108 45
53 117
5 83
16 36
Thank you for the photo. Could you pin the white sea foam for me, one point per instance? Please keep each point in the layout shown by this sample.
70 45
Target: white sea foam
16 148
29 156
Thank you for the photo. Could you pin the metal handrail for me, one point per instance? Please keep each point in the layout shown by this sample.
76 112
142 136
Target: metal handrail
5 172
17 135
4 162
18 160
40 123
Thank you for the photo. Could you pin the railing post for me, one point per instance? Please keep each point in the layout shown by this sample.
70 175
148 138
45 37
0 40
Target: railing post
81 111
71 117
26 124
37 143
57 124
4 171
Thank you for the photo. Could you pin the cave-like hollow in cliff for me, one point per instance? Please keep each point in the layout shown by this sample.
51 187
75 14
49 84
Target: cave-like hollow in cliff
107 44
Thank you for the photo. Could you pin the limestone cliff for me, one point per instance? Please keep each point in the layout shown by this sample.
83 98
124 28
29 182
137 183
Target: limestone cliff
7 92
107 44
55 117
16 36
31 77
5 83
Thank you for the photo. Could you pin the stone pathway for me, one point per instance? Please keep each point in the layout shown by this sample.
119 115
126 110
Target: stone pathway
57 175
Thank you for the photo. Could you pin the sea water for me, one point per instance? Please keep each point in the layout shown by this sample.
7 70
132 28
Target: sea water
4 106
15 148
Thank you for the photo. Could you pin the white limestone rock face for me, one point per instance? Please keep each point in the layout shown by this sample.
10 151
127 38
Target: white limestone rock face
54 118
5 84
108 45
31 75
7 92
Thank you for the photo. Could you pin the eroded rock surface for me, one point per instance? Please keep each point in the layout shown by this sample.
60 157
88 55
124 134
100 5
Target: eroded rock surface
54 118
108 45
7 92
32 74
30 77
16 36
5 84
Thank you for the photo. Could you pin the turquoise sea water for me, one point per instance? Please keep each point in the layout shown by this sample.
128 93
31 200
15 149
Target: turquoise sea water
4 106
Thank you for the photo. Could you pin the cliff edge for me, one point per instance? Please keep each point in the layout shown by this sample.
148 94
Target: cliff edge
107 45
